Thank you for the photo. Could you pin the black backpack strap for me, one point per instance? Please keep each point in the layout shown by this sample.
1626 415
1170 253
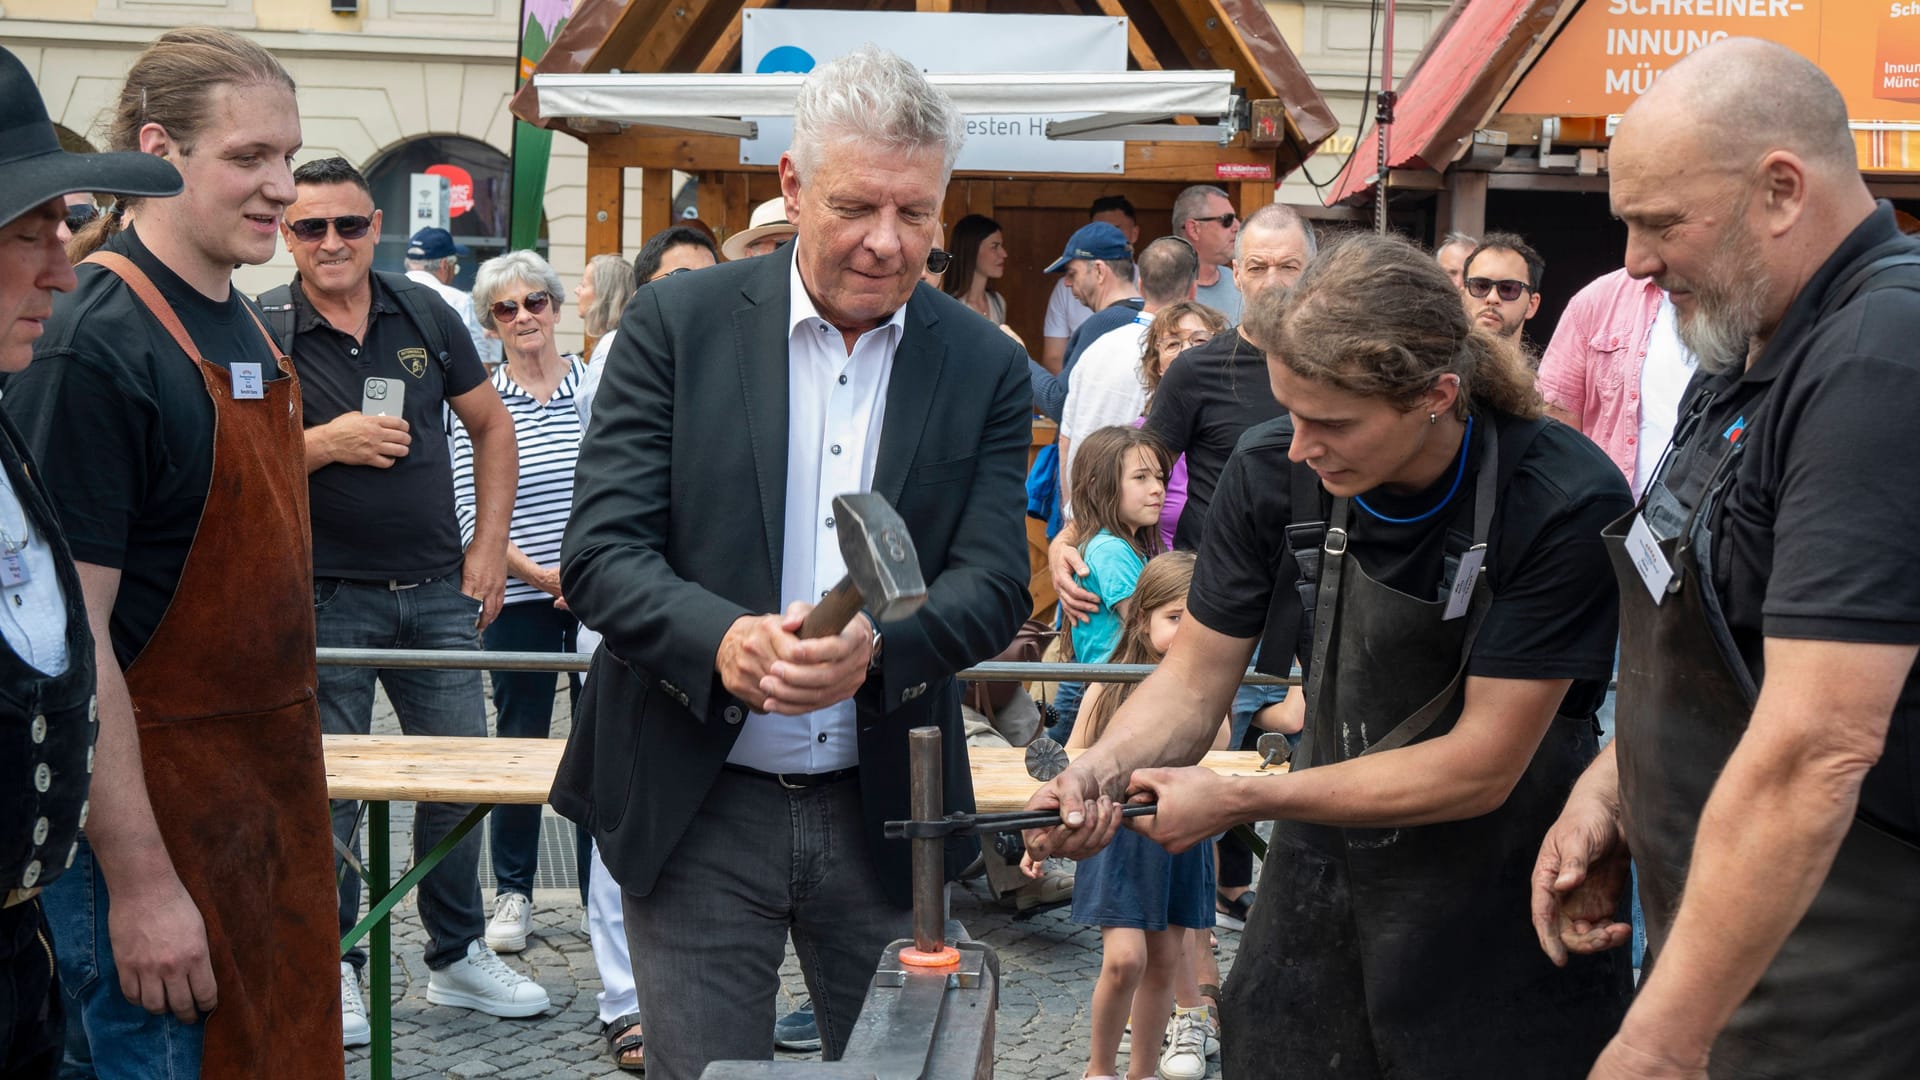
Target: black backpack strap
422 307
277 305
1873 278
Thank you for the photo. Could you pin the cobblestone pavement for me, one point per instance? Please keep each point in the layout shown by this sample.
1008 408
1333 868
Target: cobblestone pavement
1048 965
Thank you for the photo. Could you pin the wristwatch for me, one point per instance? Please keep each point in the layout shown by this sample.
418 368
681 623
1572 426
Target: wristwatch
873 658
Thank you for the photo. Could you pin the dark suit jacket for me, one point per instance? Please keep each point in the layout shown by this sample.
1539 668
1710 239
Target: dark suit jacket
678 515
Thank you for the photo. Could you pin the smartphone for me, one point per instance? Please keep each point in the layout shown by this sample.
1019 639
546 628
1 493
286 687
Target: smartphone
383 397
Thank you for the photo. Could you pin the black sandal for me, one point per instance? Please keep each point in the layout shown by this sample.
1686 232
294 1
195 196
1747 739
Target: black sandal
623 1040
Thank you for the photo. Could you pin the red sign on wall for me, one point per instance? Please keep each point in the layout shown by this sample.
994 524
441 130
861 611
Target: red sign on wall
459 188
1240 170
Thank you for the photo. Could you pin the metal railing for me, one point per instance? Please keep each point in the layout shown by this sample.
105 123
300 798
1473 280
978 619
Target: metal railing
996 671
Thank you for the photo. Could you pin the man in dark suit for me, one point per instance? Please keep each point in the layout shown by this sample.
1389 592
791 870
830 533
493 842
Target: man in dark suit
734 775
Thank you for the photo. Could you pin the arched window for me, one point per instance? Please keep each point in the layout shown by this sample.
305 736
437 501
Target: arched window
480 179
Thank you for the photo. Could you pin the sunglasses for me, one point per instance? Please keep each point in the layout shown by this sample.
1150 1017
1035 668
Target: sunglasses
1509 289
79 216
505 311
1226 220
313 229
938 260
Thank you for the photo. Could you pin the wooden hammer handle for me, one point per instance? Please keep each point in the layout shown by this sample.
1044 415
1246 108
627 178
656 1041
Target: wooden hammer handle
834 611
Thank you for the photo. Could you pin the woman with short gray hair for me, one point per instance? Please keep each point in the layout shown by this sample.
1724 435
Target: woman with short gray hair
517 296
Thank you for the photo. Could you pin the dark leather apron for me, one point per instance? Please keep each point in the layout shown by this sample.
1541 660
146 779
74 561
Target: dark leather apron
1842 998
1408 952
230 735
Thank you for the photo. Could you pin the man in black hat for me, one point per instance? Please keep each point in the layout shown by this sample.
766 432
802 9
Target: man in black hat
46 651
433 260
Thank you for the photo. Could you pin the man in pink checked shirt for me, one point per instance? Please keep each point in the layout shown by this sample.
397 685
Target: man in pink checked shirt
1616 369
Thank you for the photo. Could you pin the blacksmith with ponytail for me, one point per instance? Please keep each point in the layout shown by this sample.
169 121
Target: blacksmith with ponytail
1430 548
168 430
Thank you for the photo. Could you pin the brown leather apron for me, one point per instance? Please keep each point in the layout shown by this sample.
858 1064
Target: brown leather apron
230 735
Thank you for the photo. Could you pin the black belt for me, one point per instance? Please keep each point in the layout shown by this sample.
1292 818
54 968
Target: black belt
798 781
391 585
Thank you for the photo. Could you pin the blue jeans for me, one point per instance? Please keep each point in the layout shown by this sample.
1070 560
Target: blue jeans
523 709
126 1041
436 615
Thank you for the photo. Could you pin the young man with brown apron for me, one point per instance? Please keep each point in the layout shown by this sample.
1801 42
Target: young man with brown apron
1429 547
222 690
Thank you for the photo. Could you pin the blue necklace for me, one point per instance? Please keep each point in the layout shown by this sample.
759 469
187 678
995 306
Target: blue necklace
1458 472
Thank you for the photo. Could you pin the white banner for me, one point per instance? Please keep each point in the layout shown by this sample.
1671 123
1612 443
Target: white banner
781 40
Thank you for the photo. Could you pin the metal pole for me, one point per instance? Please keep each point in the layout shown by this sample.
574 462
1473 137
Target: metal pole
1383 123
925 798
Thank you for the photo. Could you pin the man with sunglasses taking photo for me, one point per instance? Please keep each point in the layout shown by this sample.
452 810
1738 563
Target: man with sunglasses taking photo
378 357
1501 283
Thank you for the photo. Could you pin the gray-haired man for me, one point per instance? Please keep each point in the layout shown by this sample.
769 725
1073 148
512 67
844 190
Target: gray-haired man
734 775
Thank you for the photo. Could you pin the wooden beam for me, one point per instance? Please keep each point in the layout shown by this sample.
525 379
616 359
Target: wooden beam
1137 49
1253 195
710 198
725 46
938 6
667 34
1467 204
1207 35
606 204
656 200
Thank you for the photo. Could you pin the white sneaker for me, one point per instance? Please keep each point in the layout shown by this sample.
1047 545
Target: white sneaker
1200 1018
353 1012
1186 1054
512 921
485 983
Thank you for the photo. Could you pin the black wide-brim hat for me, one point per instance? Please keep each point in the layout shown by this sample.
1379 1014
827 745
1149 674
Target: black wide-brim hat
33 167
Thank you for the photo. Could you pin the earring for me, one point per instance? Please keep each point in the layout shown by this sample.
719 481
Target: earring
1433 418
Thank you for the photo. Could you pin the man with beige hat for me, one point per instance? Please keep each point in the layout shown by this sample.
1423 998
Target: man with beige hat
766 230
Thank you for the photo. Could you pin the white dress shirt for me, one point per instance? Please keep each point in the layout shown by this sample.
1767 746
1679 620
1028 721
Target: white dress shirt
836 403
1664 375
462 305
1106 389
33 614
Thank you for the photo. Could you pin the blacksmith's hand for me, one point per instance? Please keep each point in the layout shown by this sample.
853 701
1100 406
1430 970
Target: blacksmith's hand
1579 877
1067 567
358 439
1195 805
1088 817
160 947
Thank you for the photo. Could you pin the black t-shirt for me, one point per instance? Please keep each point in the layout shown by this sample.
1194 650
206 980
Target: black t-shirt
396 523
1818 535
120 421
1555 611
1209 398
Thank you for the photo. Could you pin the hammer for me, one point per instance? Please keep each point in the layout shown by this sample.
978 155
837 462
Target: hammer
883 570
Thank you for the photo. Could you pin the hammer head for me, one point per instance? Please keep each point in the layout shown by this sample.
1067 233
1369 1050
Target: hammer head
879 555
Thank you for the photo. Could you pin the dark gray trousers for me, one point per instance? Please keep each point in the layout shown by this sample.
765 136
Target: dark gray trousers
760 863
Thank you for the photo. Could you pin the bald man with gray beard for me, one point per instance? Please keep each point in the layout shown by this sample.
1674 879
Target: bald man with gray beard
1763 776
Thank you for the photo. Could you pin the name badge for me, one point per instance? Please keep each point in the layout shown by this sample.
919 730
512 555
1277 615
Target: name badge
13 569
1461 594
248 383
1647 558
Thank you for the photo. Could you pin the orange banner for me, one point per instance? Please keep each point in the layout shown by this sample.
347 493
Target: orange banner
1611 51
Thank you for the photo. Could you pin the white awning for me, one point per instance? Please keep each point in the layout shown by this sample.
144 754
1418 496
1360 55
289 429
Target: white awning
1122 104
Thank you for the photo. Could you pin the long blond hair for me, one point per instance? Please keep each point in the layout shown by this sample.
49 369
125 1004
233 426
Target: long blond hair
169 84
1165 581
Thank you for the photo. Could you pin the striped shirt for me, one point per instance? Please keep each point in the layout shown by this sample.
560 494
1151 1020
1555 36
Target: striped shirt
549 439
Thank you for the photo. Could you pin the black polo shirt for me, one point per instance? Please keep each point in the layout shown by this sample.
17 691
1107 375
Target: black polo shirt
122 426
396 523
1209 398
1818 535
1555 610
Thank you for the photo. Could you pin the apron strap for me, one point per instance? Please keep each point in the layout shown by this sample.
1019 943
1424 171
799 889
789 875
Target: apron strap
156 304
1326 611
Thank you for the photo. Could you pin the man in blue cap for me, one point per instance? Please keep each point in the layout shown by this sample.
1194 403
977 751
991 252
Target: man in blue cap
432 260
46 651
1098 263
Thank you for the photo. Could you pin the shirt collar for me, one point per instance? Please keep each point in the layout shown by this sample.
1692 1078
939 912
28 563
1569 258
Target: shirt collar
800 309
305 318
1878 229
504 384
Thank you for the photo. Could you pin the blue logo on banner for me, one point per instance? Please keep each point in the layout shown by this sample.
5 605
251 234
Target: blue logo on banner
785 59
